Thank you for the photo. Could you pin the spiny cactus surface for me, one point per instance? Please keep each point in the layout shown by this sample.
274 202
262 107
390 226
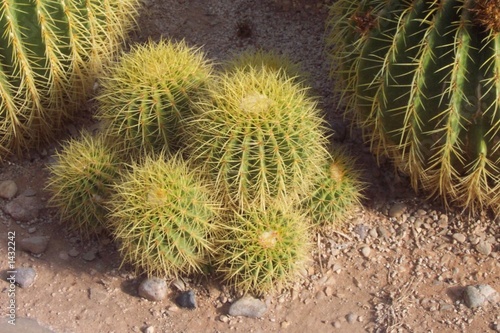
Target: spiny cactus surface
263 250
147 96
81 181
259 136
50 53
165 217
336 191
423 81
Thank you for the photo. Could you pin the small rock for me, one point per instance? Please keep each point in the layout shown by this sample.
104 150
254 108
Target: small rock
484 248
29 192
337 324
149 329
361 230
73 252
224 318
63 255
186 299
23 208
366 251
31 230
35 244
476 296
383 232
8 189
25 276
285 324
351 317
248 306
397 209
89 255
459 237
153 289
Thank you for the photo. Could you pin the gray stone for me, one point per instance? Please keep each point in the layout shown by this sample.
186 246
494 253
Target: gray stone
23 208
477 296
186 299
397 209
35 244
247 306
361 230
73 252
89 255
484 247
153 289
24 276
8 189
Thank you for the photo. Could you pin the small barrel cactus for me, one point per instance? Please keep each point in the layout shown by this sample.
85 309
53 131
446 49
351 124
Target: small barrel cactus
148 94
81 181
336 191
50 54
263 250
259 136
165 217
423 81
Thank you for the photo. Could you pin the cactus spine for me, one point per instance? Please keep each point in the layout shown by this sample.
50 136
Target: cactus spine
50 52
423 81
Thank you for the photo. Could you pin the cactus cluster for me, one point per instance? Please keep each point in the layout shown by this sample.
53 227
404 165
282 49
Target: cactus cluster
50 54
422 80
255 148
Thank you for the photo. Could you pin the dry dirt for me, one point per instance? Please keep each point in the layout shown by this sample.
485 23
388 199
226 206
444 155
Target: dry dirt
411 281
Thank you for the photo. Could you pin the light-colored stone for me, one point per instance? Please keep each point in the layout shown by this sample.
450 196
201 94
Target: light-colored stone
35 244
23 208
484 247
366 251
24 276
248 306
479 295
153 289
8 189
459 237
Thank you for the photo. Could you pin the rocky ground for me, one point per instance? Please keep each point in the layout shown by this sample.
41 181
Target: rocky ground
402 264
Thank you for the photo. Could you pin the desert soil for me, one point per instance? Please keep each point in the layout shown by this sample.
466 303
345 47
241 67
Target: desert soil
400 264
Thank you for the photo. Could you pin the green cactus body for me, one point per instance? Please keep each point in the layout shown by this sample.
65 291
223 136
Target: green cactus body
50 53
423 81
165 217
148 94
259 137
81 182
262 251
336 191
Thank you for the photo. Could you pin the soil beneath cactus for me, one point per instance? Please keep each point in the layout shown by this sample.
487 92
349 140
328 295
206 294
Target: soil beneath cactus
399 265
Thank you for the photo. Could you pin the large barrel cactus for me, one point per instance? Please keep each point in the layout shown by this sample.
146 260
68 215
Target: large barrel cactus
50 52
423 81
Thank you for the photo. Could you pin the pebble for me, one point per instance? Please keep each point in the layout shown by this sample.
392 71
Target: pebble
383 232
361 230
8 189
186 299
224 318
153 289
73 252
459 237
23 208
484 247
397 209
63 255
337 324
285 324
90 255
477 296
366 251
351 317
247 306
35 244
25 276
149 329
